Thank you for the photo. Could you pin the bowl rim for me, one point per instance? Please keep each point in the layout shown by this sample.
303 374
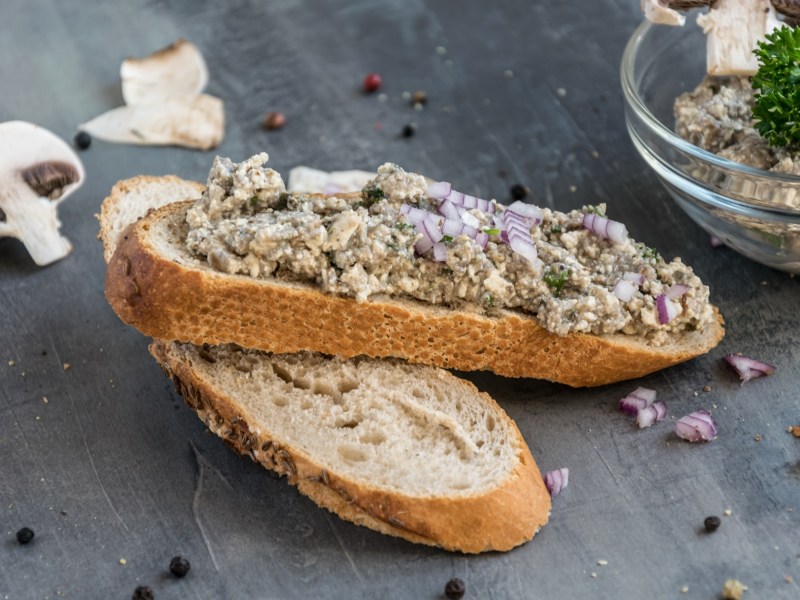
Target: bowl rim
635 102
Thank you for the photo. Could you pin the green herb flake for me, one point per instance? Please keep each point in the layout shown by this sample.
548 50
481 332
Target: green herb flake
649 253
555 229
447 239
777 102
556 280
595 210
488 299
371 195
254 201
491 231
401 226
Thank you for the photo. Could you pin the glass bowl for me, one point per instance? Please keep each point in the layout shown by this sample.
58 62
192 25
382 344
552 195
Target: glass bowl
747 208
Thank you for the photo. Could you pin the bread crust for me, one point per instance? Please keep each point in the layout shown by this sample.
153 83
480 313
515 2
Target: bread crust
167 299
499 519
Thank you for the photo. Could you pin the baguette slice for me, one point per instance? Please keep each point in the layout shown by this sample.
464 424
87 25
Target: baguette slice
156 285
407 450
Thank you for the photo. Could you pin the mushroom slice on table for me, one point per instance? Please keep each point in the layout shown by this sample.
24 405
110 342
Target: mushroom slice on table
192 121
38 170
177 70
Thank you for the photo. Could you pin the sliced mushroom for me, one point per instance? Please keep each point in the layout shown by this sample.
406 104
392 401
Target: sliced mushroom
734 28
192 121
177 70
38 170
306 179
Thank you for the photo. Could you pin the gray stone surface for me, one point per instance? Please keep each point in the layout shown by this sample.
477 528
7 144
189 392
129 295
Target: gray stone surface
114 466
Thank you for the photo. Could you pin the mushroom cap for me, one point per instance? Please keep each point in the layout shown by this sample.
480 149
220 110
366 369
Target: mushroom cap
688 4
40 159
177 70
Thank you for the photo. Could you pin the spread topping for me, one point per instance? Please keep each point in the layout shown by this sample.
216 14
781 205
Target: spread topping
364 246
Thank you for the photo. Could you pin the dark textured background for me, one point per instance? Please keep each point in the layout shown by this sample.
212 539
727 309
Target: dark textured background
114 465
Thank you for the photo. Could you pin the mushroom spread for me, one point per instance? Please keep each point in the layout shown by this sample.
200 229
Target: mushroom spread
565 271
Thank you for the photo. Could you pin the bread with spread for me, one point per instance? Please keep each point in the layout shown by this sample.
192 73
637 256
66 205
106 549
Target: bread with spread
407 450
411 270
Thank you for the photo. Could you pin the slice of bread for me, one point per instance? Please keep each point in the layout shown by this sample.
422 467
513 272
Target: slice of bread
130 199
407 450
155 284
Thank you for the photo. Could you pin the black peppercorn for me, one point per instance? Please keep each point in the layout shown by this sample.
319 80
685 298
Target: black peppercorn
518 191
142 593
409 130
712 523
83 140
25 535
179 566
454 589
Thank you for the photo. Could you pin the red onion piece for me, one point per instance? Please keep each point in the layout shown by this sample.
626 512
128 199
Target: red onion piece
557 480
456 197
452 227
748 368
666 309
470 201
471 220
416 215
440 252
439 190
470 231
482 238
484 205
524 248
650 415
449 210
404 208
530 211
423 244
696 427
635 277
637 400
432 228
676 291
605 228
624 290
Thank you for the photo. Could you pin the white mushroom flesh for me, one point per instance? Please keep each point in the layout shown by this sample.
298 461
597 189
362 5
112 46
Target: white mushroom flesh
177 70
734 28
191 121
659 12
306 179
38 170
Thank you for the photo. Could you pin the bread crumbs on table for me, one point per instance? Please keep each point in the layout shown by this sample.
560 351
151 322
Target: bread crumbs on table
67 366
123 562
757 437
706 388
727 512
733 589
11 362
685 589
794 430
789 579
602 562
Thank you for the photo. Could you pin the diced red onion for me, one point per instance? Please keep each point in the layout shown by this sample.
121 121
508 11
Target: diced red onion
666 309
512 217
439 190
637 400
504 237
715 241
449 210
557 480
470 231
696 427
484 205
440 252
404 208
415 215
635 277
482 238
471 220
676 291
470 201
650 415
432 229
530 211
452 227
624 290
525 248
748 368
423 244
606 228
456 197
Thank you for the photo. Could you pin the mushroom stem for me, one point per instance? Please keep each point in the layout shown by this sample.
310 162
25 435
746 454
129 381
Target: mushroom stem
734 28
34 221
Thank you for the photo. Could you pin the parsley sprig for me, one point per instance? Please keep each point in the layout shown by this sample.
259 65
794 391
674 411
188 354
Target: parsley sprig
777 102
556 279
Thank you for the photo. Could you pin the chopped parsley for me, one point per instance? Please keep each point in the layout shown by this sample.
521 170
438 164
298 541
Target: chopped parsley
447 239
556 280
777 102
491 231
555 229
649 253
253 201
488 300
401 226
371 195
595 210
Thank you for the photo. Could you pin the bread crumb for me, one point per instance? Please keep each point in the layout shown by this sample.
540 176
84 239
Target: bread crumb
727 512
685 589
67 366
602 562
706 388
11 362
122 561
561 92
794 430
757 437
733 589
44 399
788 579
573 188
593 574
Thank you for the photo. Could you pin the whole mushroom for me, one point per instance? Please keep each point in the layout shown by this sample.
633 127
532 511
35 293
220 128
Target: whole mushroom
38 170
